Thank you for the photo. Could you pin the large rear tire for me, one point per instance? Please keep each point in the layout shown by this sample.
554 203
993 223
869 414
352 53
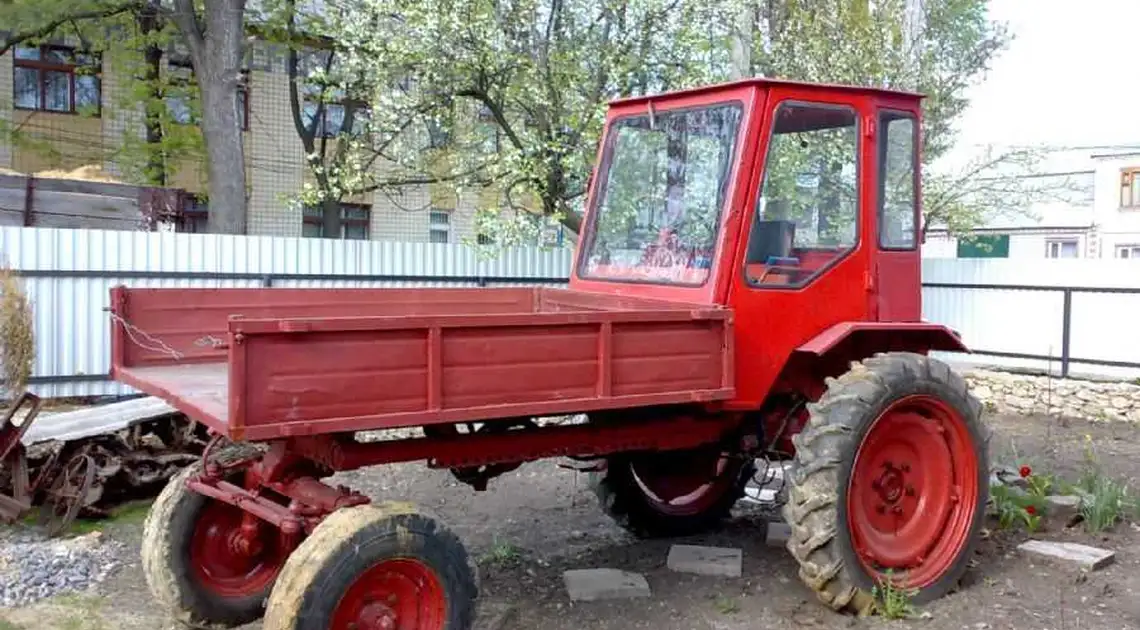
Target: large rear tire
671 493
889 481
382 567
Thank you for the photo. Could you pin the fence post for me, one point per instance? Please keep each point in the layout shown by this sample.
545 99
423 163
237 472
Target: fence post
267 281
1066 329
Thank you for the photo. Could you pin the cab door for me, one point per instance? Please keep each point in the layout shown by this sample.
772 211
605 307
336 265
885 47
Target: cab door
897 267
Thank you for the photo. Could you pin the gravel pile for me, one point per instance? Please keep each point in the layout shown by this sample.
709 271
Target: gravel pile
34 568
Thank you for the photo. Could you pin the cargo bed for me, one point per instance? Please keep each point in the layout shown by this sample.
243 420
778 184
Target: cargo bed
266 363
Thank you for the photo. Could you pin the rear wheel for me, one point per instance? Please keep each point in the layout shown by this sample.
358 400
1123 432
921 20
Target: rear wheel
376 567
195 566
889 482
671 493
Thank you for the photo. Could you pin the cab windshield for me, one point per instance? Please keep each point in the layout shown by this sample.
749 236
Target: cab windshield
663 182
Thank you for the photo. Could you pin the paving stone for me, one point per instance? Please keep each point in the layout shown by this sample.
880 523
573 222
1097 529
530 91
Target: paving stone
778 534
720 561
1084 556
587 585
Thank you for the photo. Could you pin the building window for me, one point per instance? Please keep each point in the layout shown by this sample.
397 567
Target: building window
179 99
1128 251
195 214
354 222
439 226
1130 187
979 246
56 79
1061 248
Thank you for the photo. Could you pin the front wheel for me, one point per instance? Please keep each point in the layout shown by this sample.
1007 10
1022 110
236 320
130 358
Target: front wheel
889 482
193 564
378 567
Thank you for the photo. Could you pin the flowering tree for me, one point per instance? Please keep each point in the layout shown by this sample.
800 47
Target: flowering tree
504 96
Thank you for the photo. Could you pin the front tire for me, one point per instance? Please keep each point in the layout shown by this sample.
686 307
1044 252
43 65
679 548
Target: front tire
376 566
889 481
191 566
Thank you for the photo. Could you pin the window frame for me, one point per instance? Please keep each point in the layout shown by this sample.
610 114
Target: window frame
1130 248
1128 177
183 63
859 190
344 221
882 183
1057 242
41 66
443 227
602 176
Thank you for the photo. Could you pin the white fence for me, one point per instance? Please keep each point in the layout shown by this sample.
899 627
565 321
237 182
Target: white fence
68 275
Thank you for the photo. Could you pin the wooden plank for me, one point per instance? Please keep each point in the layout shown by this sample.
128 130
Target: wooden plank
80 205
84 187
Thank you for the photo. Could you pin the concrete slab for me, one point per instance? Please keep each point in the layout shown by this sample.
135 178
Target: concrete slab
587 585
778 534
718 561
1067 553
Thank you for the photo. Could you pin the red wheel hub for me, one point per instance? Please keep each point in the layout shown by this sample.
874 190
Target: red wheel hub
232 561
396 594
684 484
913 491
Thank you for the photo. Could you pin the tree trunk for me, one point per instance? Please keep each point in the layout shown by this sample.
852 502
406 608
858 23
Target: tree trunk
155 169
219 74
330 210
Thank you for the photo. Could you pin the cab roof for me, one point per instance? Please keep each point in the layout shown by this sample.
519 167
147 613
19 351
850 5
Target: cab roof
761 82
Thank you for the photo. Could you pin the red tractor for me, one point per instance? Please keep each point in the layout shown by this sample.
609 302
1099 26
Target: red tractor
746 288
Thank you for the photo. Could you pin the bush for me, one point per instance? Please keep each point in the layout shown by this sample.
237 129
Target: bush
17 336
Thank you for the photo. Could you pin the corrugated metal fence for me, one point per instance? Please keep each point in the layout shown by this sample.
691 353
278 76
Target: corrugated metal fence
68 274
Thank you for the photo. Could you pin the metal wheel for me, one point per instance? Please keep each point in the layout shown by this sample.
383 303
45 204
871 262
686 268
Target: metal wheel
226 563
905 504
674 493
890 474
376 567
67 494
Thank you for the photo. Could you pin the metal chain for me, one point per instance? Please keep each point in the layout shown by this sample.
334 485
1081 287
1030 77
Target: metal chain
158 344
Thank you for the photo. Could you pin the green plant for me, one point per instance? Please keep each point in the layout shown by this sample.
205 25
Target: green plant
893 602
1104 500
726 605
1014 505
502 554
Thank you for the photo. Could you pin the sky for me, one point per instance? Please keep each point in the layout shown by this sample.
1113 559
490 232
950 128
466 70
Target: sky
1070 77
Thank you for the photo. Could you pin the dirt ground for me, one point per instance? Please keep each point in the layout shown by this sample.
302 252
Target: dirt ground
530 526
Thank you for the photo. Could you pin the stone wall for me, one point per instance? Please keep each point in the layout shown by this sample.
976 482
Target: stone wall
1006 392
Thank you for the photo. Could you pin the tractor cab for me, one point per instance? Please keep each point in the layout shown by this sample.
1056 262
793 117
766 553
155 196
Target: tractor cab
759 187
796 205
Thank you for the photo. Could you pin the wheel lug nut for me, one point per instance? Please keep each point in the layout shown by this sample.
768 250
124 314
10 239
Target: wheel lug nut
906 467
882 509
910 491
897 509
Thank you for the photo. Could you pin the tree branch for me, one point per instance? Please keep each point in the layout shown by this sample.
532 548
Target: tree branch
47 29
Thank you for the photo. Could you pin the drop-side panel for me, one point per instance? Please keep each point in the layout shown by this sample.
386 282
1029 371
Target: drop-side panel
342 374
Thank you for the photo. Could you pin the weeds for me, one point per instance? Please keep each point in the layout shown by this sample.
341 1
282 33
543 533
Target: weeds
725 605
8 625
1104 500
893 602
502 554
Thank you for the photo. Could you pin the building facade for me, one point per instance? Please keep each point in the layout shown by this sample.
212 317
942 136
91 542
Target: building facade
1099 218
66 110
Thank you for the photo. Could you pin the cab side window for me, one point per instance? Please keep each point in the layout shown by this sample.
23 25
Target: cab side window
807 214
897 167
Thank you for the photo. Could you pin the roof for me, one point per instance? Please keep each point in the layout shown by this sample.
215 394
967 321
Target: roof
767 83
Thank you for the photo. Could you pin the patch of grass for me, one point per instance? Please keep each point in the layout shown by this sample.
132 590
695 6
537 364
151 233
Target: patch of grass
893 602
502 554
130 513
9 625
725 605
1104 500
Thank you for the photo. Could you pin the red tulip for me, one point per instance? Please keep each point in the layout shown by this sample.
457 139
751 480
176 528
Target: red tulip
1025 471
1030 510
